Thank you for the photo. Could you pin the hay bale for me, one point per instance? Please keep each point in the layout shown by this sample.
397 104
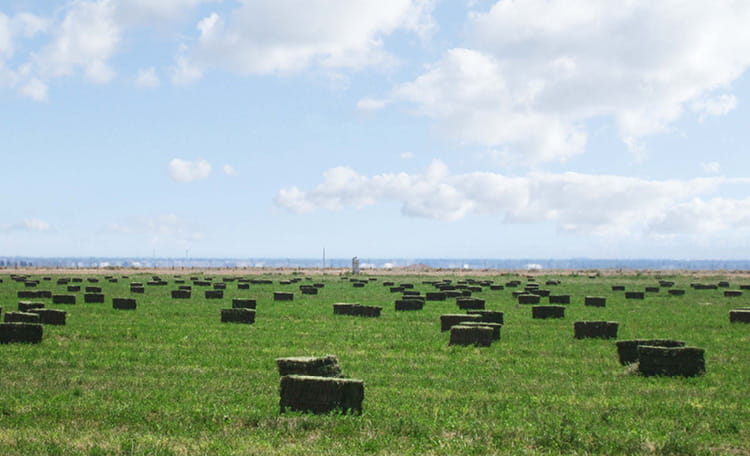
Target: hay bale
30 284
308 290
488 316
732 293
559 299
343 308
409 304
676 292
124 303
528 298
742 287
365 311
618 287
543 312
180 294
595 329
317 366
671 361
666 283
739 316
50 316
93 280
243 303
540 292
220 286
63 299
321 394
26 294
73 288
495 327
634 295
447 321
93 298
138 290
479 336
243 286
25 306
358 284
283 296
627 350
595 301
723 284
652 289
93 289
497 287
214 294
238 315
185 287
465 303
21 317
435 296
21 333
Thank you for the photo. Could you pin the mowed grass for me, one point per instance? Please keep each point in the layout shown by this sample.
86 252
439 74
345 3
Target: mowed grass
170 379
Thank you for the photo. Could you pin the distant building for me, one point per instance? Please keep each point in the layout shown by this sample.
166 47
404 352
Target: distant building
355 265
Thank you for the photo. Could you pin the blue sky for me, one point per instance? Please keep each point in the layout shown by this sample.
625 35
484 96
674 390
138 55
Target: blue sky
401 128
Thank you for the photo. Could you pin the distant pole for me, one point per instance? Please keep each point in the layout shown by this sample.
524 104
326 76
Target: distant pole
324 257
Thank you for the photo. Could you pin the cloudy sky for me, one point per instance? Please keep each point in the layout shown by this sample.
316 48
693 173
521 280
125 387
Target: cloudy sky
377 128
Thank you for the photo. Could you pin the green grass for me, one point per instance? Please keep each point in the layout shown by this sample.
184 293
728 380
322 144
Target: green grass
170 379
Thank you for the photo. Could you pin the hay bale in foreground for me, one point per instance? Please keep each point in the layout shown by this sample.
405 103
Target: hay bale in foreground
50 316
465 303
479 336
321 394
21 317
449 320
21 333
543 312
595 329
124 303
488 316
495 327
528 298
635 295
238 315
559 299
93 298
317 366
627 350
676 292
739 316
671 361
25 306
732 293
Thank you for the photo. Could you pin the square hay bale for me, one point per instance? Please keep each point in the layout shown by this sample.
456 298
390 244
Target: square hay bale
527 298
63 299
21 317
618 287
739 316
243 303
50 316
243 286
93 298
497 287
409 304
358 284
214 294
343 308
76 280
595 301
627 350
465 303
238 315
479 336
635 295
652 289
675 292
559 299
73 288
137 290
488 316
495 327
25 306
321 394
93 289
671 361
21 333
30 284
180 294
185 287
732 293
308 290
666 283
220 286
283 296
742 287
26 294
318 366
543 312
366 311
595 329
124 303
723 284
447 321
93 280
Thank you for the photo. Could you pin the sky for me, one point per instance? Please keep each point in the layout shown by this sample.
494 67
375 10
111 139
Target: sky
376 128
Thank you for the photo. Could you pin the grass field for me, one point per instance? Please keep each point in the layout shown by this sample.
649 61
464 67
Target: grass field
170 379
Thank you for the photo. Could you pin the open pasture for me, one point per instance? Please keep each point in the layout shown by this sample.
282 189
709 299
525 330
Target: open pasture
169 378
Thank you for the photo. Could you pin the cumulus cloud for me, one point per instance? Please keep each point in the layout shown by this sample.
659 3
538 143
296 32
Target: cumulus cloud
536 71
575 202
188 171
28 225
282 36
229 170
147 78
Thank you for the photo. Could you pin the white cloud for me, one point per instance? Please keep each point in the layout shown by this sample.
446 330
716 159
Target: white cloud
147 78
406 156
34 89
229 170
536 71
370 104
711 167
29 225
188 171
284 36
167 227
574 202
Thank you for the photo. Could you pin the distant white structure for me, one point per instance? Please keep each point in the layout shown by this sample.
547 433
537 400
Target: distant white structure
355 265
